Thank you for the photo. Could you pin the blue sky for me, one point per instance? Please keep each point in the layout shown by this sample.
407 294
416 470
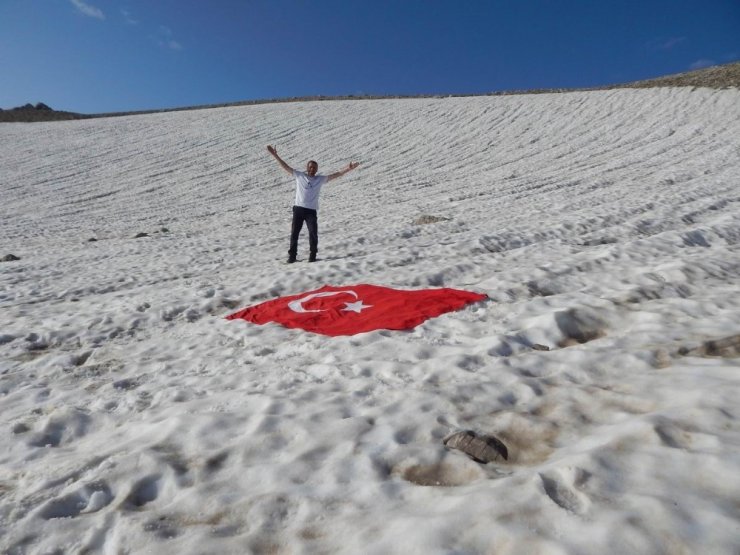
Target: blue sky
96 56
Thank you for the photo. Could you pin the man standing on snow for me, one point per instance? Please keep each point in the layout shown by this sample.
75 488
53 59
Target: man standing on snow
307 188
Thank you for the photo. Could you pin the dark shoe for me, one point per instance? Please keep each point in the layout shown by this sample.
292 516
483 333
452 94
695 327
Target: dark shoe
312 258
291 259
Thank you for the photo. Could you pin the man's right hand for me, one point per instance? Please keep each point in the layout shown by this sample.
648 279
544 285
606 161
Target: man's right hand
272 150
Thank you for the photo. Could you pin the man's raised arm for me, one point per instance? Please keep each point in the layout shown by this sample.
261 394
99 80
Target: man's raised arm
286 167
351 166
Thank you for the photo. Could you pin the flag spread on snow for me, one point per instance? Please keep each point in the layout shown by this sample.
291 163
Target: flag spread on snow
352 309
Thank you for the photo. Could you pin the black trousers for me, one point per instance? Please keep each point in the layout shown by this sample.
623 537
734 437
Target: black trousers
309 216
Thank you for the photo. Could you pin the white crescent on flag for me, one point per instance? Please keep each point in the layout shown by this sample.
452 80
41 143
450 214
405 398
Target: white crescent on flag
297 305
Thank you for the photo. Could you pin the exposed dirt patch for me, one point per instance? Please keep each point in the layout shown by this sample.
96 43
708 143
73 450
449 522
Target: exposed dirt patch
726 347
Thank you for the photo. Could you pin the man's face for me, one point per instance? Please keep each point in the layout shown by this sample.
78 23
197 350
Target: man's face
311 168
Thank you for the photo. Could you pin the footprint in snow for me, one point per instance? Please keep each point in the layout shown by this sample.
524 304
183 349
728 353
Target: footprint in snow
88 499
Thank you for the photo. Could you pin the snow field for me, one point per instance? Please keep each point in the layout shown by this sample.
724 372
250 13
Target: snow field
604 225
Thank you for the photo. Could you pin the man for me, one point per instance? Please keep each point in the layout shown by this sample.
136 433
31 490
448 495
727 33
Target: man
307 188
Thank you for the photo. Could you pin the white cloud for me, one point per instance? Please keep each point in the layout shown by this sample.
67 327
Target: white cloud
128 17
662 43
88 10
701 64
670 43
166 40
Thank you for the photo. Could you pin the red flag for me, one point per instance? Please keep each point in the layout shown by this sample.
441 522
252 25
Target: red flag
352 309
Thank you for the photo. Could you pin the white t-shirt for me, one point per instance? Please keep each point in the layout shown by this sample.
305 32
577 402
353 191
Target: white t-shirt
307 189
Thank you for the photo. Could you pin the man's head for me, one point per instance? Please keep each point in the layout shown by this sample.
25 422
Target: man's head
312 167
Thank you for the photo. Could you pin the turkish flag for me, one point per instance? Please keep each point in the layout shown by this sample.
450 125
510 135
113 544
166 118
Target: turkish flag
352 309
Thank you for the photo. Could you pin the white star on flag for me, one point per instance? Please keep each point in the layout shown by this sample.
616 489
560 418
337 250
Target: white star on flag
356 307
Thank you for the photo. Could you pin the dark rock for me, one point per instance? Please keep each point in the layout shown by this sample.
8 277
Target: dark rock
91 240
726 347
599 241
480 448
20 428
9 258
141 234
538 347
540 289
126 384
429 219
579 325
42 106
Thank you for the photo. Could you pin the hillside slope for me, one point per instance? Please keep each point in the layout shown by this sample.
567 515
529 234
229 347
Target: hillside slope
604 226
717 77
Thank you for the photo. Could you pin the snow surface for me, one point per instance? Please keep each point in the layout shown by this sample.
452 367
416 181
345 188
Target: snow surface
604 225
